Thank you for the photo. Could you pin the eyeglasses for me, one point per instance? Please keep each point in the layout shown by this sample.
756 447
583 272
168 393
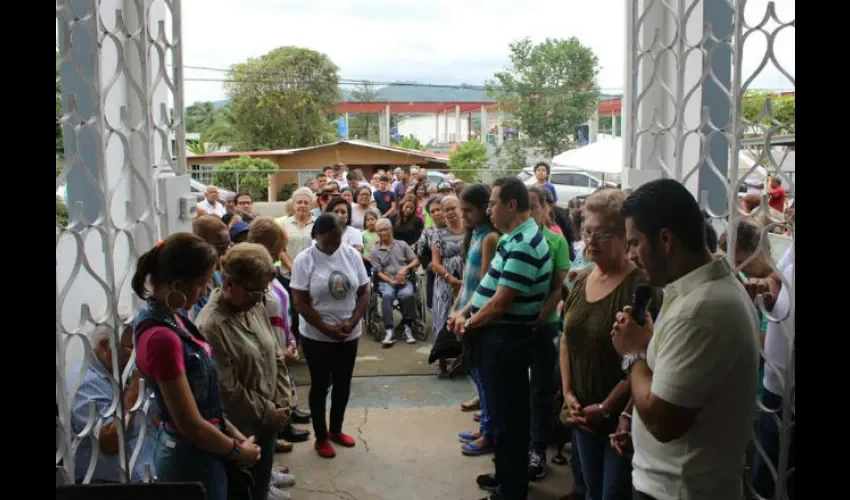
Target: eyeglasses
602 235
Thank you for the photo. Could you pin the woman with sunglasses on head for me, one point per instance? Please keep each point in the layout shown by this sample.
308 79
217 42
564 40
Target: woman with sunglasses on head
195 442
252 373
330 289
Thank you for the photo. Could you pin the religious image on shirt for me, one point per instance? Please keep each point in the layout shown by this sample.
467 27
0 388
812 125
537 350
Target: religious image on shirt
339 285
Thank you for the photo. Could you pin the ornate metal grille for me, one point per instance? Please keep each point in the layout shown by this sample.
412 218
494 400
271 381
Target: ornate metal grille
690 64
120 66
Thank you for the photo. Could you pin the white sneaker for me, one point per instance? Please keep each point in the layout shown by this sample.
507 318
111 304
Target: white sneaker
408 335
282 479
389 339
276 493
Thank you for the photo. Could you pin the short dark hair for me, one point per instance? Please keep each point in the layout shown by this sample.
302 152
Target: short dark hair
326 223
511 188
667 204
543 164
384 178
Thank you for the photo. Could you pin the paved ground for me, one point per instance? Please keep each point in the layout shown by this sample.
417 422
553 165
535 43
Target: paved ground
407 447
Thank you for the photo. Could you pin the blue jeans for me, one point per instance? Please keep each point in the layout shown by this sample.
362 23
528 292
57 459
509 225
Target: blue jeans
607 475
505 356
179 460
404 294
768 433
543 358
484 428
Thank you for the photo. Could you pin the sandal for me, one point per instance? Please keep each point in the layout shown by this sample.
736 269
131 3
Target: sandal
471 405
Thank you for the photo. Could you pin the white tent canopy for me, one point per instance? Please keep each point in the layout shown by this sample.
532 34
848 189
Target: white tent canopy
606 156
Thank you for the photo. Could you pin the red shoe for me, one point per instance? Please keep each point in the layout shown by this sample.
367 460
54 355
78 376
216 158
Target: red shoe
343 439
325 449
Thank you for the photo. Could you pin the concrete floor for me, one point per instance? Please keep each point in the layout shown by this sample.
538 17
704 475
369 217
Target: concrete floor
407 447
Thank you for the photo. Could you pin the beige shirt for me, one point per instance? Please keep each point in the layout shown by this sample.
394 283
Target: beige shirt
703 354
299 238
252 373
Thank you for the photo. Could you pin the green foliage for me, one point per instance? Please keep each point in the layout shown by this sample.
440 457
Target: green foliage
363 125
511 158
61 214
467 158
59 165
255 183
780 116
286 191
549 88
199 116
409 142
283 99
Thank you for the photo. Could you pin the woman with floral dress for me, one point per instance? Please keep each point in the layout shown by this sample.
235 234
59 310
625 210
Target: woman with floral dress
447 265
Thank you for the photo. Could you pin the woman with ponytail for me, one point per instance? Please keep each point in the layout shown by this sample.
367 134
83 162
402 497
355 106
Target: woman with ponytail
195 442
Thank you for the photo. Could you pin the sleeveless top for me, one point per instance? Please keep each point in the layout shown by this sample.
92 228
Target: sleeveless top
472 270
201 370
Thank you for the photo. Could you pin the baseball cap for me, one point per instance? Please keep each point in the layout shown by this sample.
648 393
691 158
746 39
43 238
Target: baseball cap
238 228
444 185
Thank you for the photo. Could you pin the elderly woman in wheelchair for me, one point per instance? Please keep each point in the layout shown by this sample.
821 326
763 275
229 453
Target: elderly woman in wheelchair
394 264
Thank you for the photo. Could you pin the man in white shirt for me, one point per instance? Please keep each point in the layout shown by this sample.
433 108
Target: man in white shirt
211 205
694 376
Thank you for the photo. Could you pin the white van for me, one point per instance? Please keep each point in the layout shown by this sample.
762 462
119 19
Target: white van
569 182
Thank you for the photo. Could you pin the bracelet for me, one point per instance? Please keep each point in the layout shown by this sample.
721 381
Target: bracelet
626 414
235 451
602 409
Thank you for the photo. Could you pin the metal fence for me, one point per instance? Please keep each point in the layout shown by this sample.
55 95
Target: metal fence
119 63
689 64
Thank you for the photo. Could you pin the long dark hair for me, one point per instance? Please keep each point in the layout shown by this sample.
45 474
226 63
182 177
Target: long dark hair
399 219
329 208
180 257
477 195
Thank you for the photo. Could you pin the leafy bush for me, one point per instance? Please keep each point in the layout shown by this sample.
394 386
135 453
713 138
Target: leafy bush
255 183
466 159
286 191
61 214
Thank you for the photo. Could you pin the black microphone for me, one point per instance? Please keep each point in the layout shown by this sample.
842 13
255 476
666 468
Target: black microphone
640 301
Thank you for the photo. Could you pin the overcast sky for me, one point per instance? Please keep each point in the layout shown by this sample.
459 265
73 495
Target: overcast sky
438 41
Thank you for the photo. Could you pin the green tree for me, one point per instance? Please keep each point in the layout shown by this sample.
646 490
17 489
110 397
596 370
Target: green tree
409 142
364 125
549 88
510 158
223 128
283 99
199 116
467 158
255 183
780 116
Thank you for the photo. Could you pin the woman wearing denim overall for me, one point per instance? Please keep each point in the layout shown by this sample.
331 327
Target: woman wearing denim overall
195 442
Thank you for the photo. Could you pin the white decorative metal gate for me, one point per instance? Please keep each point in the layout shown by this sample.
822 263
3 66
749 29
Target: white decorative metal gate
689 64
120 66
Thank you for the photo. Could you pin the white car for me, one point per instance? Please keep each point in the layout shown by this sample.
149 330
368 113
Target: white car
569 182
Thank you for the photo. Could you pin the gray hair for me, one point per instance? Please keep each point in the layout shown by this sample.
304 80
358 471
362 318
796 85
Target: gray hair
383 221
303 191
447 198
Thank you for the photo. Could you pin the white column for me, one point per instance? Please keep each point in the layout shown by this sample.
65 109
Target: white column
346 127
500 139
457 124
614 131
446 126
437 128
388 127
593 127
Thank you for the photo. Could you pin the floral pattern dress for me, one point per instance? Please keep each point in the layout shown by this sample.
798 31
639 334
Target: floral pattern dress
451 256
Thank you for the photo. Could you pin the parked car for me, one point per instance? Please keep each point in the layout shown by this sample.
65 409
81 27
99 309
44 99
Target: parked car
569 182
196 187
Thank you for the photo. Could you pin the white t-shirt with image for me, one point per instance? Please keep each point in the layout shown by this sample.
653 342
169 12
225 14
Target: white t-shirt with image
332 282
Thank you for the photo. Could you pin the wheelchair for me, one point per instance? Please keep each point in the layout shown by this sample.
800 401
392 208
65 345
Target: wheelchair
374 317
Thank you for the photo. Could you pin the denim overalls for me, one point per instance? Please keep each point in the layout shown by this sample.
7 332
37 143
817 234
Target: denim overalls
177 459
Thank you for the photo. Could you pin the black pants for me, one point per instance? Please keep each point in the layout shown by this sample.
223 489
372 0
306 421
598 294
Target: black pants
505 357
330 364
262 470
637 495
543 358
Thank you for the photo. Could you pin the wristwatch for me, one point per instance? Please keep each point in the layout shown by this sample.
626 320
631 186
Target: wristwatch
235 451
629 361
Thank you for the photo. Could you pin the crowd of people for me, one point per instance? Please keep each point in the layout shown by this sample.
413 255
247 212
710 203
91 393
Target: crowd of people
535 302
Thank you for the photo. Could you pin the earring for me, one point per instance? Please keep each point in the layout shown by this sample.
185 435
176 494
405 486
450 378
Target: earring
182 298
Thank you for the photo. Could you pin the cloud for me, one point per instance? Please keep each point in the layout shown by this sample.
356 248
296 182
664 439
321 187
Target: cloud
440 41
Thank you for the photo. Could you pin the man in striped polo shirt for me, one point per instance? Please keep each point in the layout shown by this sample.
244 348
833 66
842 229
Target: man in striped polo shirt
504 312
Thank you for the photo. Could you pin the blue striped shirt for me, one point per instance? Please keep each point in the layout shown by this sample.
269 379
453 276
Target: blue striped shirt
522 263
472 269
96 387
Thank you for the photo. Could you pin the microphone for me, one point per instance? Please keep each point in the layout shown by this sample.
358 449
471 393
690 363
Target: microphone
640 301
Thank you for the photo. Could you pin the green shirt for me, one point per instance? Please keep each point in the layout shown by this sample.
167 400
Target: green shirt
522 263
369 239
560 259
